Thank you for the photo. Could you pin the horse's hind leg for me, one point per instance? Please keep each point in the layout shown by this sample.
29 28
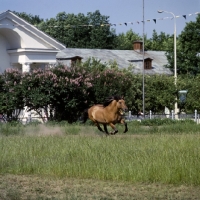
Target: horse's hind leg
105 129
99 127
114 129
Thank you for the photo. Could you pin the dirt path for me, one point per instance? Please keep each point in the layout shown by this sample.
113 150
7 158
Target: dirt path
17 187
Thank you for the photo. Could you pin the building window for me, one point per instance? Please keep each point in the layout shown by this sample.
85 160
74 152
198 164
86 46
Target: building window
74 60
148 63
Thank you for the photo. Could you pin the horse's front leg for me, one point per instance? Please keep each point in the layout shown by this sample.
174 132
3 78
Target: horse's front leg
125 124
114 129
126 127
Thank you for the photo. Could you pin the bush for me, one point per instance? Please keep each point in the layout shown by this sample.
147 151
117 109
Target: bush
11 128
157 122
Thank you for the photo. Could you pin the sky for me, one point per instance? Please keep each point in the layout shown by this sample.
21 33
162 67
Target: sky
119 12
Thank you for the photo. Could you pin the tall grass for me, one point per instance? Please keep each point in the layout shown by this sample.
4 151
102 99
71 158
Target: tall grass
163 126
135 127
165 158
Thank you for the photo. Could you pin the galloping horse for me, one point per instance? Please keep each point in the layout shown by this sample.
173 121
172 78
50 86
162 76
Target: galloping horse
109 113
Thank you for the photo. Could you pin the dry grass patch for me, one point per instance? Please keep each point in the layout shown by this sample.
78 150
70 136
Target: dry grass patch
42 130
35 187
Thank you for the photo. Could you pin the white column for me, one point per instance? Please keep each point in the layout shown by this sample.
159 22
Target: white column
52 65
26 67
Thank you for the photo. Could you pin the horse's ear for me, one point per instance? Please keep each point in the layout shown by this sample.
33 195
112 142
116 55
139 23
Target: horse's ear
122 97
110 98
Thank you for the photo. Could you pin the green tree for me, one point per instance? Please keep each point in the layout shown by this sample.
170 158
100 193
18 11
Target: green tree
124 41
158 42
191 84
101 36
160 91
187 48
32 19
80 31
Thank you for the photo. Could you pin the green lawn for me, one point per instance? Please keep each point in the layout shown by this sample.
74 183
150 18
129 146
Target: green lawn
170 158
72 161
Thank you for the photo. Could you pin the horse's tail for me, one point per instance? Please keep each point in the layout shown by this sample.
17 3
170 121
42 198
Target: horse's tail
85 115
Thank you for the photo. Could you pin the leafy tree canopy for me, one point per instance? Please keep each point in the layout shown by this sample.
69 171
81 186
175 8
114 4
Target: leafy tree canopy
32 19
69 29
124 41
159 42
188 47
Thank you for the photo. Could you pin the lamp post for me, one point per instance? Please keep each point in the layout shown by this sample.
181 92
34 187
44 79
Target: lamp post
175 67
143 74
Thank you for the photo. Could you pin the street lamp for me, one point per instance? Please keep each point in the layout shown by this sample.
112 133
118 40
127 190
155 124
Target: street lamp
182 95
175 68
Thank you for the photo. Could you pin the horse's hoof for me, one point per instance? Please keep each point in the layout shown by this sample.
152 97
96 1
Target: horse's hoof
113 133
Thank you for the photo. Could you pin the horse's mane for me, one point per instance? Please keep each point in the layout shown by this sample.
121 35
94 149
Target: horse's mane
110 99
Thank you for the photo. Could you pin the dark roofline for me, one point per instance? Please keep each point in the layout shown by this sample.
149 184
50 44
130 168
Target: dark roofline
138 41
69 58
140 60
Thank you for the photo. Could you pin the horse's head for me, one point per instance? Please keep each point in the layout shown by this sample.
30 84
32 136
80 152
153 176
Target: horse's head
118 103
121 106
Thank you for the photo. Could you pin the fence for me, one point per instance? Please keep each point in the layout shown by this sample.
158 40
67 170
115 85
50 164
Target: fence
24 120
181 116
129 117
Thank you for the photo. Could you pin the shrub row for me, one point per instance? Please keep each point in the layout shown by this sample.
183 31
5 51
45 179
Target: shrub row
64 92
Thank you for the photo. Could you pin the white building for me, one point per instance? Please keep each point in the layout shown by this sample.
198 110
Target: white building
23 46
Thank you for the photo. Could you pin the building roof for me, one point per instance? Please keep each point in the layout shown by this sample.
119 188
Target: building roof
124 58
22 44
22 34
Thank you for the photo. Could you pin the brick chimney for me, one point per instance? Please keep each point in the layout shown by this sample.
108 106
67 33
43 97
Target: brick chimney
138 46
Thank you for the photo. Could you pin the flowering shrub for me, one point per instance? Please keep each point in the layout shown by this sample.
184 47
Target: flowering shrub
64 92
11 99
37 88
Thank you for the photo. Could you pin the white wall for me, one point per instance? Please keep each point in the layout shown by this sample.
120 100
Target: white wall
4 57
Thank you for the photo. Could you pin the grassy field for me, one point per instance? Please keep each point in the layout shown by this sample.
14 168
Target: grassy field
62 161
